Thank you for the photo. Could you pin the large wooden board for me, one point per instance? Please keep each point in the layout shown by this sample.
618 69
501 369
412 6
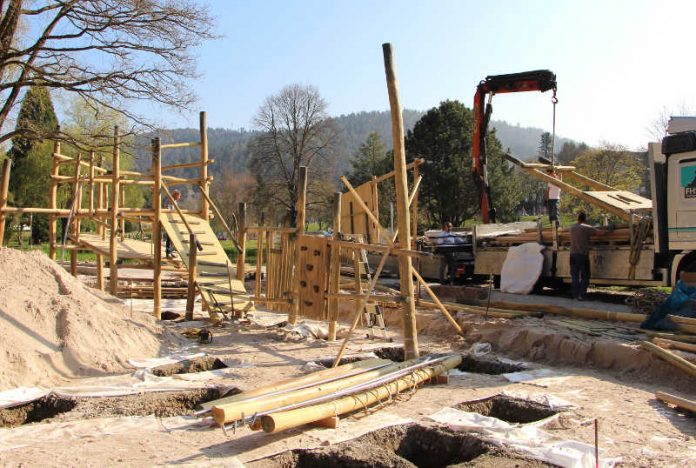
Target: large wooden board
313 267
214 272
354 220
128 248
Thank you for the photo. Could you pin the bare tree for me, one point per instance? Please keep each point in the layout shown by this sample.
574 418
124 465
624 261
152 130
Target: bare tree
297 131
110 52
658 128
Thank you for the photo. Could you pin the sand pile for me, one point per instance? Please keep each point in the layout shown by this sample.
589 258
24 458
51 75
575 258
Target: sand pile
53 328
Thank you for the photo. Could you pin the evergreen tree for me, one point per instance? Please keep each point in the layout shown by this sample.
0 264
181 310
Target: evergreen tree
370 160
443 137
31 156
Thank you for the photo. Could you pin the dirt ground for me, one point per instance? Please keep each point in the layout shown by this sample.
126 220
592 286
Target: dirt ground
604 378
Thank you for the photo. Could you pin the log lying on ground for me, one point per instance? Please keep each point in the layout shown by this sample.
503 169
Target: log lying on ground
283 420
301 382
679 402
676 361
227 413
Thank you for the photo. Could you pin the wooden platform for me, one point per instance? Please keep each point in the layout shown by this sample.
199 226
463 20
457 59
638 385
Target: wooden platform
128 248
215 273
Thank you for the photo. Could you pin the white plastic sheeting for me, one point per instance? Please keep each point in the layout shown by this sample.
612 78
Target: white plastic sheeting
522 268
528 439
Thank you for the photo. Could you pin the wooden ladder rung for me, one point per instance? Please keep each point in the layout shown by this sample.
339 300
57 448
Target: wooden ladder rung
181 221
186 241
195 232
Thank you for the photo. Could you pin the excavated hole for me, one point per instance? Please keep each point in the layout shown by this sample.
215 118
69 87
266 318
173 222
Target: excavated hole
35 411
201 364
487 365
402 446
512 410
392 353
161 404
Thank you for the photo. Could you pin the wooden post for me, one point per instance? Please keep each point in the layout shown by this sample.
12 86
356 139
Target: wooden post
157 228
122 221
300 224
205 207
115 188
101 231
4 190
91 183
241 233
375 200
408 309
301 200
52 219
75 222
335 269
192 266
414 205
259 262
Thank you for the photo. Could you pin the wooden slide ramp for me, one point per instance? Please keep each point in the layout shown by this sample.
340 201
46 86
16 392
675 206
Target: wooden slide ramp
216 276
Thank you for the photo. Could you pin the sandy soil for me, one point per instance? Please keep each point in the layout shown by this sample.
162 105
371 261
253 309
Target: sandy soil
617 387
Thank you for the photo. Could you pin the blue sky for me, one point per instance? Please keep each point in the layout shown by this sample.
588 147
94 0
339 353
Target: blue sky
619 63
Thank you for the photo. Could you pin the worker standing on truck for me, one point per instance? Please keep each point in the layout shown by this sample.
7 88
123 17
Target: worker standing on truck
553 197
447 257
580 234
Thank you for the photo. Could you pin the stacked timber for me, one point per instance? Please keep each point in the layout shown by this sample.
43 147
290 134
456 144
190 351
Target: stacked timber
620 235
323 396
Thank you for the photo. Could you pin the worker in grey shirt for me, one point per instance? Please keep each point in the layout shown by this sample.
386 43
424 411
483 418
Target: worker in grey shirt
580 234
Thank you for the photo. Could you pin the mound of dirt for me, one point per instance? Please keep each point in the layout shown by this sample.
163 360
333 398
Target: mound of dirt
54 328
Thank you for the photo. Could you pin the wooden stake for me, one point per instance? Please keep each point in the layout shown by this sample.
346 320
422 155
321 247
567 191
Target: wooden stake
157 228
204 182
115 188
4 190
335 268
408 310
192 266
436 300
241 232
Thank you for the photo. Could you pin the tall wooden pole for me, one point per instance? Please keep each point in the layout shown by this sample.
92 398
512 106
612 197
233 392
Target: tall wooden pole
122 221
335 268
242 238
4 190
115 188
300 207
75 222
205 207
101 231
52 219
157 228
192 267
408 308
300 224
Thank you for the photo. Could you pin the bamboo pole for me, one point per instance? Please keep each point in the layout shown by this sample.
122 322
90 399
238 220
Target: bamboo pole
436 300
284 420
192 265
227 413
204 182
670 344
241 232
409 166
183 165
408 310
335 269
295 383
359 308
677 361
157 228
679 402
4 191
115 188
53 200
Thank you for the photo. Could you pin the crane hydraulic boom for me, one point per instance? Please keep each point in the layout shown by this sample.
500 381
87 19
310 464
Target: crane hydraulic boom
537 80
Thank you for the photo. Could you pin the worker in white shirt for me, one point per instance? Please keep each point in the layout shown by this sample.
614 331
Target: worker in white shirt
553 197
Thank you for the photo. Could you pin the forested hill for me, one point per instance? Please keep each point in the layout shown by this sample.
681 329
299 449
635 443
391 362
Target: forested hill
229 147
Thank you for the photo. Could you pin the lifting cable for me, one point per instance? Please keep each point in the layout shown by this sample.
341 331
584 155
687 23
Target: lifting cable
554 101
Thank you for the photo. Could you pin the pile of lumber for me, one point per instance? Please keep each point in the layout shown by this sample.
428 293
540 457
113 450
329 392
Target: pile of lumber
620 235
321 397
